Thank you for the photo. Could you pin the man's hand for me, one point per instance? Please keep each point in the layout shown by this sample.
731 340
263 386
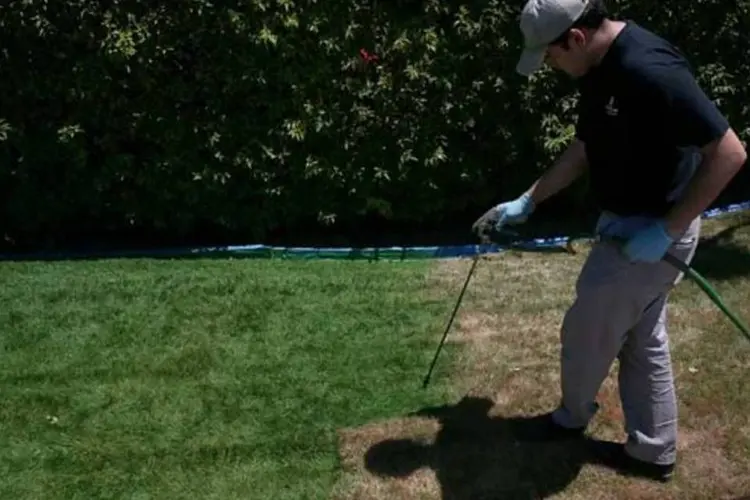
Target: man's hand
509 212
649 244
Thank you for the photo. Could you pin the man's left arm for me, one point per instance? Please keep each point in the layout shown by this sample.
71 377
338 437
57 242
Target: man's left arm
695 121
722 159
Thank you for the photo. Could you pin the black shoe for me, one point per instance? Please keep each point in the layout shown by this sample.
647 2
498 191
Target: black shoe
613 455
543 428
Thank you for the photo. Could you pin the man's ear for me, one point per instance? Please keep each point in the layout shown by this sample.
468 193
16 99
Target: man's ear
577 37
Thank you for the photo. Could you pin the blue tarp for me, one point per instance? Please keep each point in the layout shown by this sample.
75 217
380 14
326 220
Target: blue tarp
371 253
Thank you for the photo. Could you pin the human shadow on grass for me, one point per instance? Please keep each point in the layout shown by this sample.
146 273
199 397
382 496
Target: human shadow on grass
476 456
718 257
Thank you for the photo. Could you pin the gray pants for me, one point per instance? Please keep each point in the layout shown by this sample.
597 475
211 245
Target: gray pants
620 313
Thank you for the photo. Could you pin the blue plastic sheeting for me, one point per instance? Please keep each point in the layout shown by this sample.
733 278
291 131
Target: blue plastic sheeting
372 253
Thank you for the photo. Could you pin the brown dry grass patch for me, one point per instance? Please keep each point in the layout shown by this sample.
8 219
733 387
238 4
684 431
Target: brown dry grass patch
508 334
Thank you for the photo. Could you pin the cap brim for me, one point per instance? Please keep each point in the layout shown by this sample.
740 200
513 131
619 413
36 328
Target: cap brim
531 61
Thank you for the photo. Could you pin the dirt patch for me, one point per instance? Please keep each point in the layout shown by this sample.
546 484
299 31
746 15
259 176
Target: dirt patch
407 475
472 449
505 314
508 332
704 457
474 327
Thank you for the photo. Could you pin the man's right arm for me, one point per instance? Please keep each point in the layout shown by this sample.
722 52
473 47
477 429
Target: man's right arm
571 164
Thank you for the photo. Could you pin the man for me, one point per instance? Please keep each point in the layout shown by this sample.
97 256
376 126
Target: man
658 153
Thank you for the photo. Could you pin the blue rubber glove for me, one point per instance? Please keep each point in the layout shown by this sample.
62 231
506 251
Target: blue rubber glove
509 212
649 244
514 212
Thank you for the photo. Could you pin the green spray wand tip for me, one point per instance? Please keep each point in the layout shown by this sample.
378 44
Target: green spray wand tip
698 279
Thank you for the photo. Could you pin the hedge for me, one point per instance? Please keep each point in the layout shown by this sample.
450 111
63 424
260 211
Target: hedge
238 120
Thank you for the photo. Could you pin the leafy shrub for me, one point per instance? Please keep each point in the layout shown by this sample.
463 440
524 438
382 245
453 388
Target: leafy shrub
174 119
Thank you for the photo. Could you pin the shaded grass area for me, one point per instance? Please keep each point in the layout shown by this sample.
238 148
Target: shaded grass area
203 378
507 343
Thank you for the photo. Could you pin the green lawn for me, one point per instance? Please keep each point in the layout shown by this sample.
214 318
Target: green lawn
204 378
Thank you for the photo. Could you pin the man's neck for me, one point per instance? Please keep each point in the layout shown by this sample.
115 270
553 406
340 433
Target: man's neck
603 39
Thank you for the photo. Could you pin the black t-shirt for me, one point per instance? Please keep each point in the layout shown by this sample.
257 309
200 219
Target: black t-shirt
643 119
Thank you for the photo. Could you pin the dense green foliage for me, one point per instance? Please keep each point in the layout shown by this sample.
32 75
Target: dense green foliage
246 117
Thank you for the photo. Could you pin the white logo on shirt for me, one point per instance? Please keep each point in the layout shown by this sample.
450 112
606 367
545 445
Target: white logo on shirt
610 108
